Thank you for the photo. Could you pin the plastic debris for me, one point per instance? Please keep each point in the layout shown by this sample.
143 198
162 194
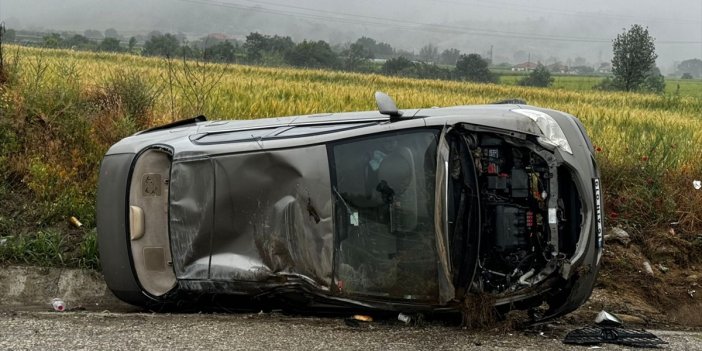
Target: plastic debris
663 268
697 184
404 318
618 234
612 335
362 318
606 319
358 320
648 268
609 330
58 305
75 222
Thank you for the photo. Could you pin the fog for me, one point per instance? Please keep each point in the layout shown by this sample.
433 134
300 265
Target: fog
543 30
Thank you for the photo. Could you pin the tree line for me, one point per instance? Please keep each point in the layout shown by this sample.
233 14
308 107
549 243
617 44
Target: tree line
365 55
633 65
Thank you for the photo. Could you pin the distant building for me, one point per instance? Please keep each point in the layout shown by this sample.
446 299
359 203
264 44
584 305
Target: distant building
605 67
218 36
558 68
524 67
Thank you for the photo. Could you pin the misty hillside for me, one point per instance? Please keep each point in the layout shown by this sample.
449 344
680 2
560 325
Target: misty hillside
545 30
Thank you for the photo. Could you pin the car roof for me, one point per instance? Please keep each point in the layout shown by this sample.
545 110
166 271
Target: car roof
349 117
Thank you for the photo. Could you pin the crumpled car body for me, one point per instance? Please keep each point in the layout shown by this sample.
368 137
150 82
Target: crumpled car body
356 211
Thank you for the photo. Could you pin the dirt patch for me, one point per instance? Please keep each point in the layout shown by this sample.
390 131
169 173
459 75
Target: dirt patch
665 296
35 287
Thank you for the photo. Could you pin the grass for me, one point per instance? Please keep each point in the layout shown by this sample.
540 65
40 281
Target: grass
682 87
61 110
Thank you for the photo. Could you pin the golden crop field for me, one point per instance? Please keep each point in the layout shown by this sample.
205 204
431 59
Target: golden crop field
62 109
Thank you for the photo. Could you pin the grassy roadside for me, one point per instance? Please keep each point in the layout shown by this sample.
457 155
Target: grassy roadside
60 111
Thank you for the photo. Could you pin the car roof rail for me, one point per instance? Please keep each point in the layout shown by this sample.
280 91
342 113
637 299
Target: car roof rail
510 102
180 123
386 106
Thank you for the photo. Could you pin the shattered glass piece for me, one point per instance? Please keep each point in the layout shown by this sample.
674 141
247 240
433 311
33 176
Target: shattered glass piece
354 219
620 336
606 319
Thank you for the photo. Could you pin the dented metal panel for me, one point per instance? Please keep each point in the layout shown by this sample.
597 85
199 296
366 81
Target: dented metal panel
254 216
191 217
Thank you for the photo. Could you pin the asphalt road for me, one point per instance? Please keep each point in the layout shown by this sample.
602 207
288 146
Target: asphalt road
39 330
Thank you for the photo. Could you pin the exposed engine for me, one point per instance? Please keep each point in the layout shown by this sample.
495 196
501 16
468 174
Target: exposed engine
513 188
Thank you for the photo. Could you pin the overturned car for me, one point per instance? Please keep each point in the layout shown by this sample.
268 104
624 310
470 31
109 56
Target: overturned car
410 211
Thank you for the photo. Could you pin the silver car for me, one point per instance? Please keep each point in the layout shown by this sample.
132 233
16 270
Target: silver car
406 211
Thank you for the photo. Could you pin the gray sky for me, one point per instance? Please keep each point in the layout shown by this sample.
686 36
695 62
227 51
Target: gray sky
545 29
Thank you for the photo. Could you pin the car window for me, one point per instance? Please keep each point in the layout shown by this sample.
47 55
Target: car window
384 215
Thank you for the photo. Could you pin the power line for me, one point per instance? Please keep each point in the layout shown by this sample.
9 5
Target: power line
543 10
385 22
338 17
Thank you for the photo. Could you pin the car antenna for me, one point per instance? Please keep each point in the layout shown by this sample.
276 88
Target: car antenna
387 106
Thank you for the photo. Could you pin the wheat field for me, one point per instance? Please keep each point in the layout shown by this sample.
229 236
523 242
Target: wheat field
62 109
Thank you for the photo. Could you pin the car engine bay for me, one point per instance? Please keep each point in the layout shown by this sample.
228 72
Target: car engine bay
504 210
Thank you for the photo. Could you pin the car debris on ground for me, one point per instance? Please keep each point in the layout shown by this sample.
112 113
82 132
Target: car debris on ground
609 329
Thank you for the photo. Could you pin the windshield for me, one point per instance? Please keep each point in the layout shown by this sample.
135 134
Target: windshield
384 215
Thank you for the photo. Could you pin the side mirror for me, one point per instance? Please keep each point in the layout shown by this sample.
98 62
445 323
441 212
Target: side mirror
387 106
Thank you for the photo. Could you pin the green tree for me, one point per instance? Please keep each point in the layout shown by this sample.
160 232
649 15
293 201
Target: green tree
539 77
449 56
428 53
80 42
312 54
474 68
397 66
53 41
111 33
222 52
379 50
132 44
654 82
634 58
693 67
430 71
161 45
110 45
93 34
357 58
9 35
260 48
